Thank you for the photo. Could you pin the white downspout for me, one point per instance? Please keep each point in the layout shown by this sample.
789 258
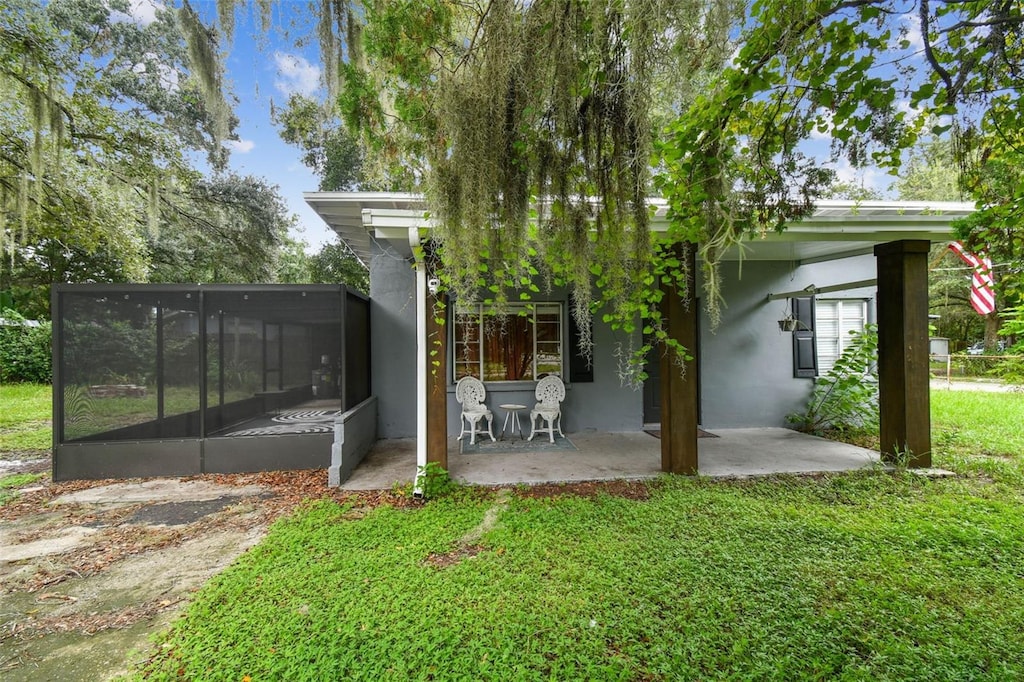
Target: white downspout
421 359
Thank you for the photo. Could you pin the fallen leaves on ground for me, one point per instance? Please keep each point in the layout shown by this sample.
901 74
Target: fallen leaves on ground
118 538
631 490
445 559
86 623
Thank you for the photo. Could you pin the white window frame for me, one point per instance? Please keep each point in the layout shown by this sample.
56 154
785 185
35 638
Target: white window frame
480 312
842 338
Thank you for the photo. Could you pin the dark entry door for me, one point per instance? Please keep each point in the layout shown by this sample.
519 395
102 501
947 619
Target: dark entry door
652 386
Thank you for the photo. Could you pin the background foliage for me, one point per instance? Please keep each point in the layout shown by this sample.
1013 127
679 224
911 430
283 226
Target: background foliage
113 154
488 107
25 351
462 97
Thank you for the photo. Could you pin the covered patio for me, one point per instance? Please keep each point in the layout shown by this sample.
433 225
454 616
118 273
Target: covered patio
743 374
599 456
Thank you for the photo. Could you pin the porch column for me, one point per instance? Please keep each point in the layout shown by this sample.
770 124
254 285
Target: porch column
903 399
437 379
422 359
679 385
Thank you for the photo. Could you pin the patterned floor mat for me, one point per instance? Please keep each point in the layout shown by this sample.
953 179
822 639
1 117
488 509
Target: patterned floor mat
293 422
306 416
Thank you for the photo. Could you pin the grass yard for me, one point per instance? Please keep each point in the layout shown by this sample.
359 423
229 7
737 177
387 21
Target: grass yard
978 433
25 426
868 575
107 414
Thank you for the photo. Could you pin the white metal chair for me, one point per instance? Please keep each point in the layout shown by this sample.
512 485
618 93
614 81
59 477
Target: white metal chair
550 393
470 393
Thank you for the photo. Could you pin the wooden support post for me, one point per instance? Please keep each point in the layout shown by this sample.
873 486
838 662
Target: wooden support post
437 380
679 396
903 391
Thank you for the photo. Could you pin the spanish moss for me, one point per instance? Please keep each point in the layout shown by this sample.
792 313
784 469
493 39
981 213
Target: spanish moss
207 67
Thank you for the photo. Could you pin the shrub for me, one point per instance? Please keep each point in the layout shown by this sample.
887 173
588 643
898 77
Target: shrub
433 481
24 350
1011 369
847 396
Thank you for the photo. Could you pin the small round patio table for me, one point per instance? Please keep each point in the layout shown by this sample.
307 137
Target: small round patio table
512 417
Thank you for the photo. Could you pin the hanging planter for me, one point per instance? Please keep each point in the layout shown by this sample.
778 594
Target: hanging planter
789 324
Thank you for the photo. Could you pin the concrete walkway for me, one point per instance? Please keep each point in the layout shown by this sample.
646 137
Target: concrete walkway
976 384
630 455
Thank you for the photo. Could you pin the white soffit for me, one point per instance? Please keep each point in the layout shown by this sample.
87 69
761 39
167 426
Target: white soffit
836 229
351 215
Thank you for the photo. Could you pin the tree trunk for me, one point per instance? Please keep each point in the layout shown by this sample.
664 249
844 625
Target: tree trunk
992 324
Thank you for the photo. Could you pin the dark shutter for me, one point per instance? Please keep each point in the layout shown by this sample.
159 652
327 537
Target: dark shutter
581 368
805 352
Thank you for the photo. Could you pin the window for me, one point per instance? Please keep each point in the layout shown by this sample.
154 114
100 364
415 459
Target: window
836 318
524 343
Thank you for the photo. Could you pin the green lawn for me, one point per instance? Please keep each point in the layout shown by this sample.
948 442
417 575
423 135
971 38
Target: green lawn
26 409
25 418
869 575
980 433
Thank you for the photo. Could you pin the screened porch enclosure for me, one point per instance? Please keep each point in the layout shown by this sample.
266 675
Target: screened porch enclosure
183 379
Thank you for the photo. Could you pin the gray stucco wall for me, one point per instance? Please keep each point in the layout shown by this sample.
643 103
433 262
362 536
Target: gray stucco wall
747 363
393 345
605 404
355 432
602 405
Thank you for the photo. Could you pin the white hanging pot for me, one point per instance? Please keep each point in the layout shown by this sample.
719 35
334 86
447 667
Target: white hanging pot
788 324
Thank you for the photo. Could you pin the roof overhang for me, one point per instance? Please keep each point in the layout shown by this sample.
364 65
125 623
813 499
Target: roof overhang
836 229
362 218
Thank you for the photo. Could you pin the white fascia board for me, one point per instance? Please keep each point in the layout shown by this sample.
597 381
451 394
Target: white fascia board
375 219
901 207
356 216
857 233
394 224
395 199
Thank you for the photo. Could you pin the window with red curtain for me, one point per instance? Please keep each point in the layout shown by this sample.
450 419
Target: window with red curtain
523 343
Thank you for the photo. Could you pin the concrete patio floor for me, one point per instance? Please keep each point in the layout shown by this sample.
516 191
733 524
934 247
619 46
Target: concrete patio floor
605 456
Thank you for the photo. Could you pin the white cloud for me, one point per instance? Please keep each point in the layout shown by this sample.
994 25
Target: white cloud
910 113
869 177
240 146
167 75
912 32
904 106
295 74
141 12
825 118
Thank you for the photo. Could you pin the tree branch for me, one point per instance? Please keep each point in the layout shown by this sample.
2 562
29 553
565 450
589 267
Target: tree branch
929 53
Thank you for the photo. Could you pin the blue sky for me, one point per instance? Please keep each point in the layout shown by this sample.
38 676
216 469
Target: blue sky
264 68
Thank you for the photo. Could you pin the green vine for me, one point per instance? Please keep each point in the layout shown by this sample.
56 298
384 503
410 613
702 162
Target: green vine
433 481
533 126
537 128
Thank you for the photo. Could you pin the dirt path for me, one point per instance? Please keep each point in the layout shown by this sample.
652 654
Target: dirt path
985 385
89 571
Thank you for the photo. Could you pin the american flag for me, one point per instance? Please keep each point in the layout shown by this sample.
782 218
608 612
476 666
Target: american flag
983 297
